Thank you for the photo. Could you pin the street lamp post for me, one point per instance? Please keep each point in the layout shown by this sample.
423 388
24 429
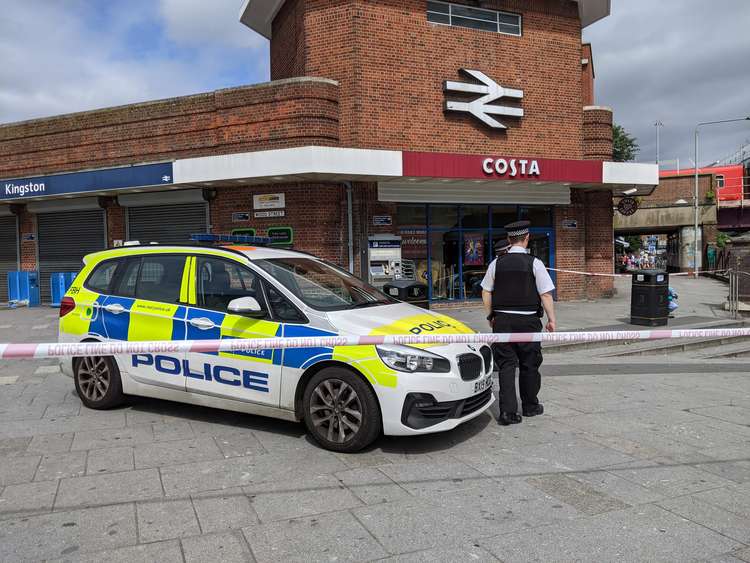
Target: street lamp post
658 124
695 194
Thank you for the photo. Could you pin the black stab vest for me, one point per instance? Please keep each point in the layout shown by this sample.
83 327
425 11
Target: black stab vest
515 284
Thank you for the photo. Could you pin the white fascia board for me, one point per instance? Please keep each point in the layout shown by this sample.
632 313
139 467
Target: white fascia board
258 15
591 11
289 162
630 173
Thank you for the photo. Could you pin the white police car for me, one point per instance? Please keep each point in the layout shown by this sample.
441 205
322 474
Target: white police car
346 395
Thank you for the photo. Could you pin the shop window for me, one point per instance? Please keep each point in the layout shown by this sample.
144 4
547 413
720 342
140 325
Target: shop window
503 214
445 267
539 216
412 216
443 216
475 217
458 15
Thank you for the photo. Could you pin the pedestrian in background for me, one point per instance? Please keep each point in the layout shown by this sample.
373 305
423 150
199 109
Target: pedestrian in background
516 292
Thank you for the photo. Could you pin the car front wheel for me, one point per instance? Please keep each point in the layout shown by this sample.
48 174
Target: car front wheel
97 381
341 411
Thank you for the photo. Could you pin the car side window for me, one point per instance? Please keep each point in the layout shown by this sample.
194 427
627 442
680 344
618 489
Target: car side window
281 309
100 279
127 280
221 281
160 278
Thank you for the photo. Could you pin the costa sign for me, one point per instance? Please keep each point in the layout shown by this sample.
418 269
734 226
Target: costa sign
511 168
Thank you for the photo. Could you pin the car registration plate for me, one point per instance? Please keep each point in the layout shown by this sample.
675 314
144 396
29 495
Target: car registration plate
483 384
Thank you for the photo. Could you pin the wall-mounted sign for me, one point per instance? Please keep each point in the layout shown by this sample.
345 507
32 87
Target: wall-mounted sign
91 181
281 236
510 168
28 237
269 201
240 216
245 231
382 220
627 206
569 224
267 214
482 107
473 249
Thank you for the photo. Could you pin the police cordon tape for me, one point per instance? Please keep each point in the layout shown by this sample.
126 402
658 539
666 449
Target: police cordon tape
62 350
671 275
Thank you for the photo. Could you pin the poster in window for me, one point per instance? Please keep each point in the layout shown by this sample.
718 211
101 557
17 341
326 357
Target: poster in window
474 250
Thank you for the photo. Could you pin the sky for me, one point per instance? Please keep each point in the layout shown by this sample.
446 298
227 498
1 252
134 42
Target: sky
676 61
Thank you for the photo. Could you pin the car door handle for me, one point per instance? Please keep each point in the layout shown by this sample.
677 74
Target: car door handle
202 323
114 308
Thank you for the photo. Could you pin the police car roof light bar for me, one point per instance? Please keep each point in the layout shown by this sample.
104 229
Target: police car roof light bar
241 239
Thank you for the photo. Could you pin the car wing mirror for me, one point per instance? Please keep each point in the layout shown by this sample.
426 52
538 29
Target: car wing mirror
246 306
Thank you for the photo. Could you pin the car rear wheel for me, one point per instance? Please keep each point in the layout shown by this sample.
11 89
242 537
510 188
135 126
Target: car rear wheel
97 381
341 410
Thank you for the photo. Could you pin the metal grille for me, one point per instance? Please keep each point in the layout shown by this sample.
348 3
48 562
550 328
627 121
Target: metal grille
166 224
473 404
470 366
63 240
8 252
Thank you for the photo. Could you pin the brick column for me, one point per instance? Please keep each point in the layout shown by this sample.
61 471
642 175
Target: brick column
570 247
115 219
27 225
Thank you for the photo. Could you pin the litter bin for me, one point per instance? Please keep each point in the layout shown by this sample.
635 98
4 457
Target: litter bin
649 303
409 291
59 284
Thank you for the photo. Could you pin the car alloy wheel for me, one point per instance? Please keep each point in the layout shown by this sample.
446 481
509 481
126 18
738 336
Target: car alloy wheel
336 411
94 377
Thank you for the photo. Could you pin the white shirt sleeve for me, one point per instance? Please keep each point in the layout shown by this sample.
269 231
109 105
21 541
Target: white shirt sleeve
488 282
543 280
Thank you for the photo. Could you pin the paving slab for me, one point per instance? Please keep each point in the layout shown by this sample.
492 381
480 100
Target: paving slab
110 460
18 469
407 526
669 478
60 465
158 454
371 486
157 552
239 444
453 554
60 534
27 498
220 511
166 520
713 517
295 498
109 488
108 438
434 477
13 446
227 548
638 534
330 537
577 494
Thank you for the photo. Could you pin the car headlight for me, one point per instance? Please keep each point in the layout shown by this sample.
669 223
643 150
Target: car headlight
406 358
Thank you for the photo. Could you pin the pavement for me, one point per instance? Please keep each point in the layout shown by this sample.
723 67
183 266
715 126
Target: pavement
645 464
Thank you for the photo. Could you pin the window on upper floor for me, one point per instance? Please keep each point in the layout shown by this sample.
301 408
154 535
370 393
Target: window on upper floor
474 18
719 181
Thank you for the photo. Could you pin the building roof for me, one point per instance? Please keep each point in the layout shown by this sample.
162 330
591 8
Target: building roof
258 14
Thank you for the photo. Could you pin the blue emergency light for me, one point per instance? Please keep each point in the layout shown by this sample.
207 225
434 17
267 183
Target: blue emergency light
242 239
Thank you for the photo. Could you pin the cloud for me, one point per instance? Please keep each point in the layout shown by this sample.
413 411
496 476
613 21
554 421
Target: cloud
61 57
678 62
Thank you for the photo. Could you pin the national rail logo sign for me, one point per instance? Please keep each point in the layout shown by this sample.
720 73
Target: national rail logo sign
482 107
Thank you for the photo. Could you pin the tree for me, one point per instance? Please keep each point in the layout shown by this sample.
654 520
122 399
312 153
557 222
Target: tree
624 146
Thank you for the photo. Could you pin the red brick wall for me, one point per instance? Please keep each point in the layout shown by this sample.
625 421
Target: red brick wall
392 63
672 188
266 116
27 225
587 75
599 243
597 133
570 245
316 212
288 47
115 223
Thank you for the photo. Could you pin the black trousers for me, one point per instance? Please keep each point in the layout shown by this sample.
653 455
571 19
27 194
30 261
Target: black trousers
527 357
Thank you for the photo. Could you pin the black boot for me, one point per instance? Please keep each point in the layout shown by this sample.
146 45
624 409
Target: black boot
533 410
507 418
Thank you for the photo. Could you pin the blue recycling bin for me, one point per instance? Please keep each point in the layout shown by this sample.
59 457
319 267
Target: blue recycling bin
59 284
23 287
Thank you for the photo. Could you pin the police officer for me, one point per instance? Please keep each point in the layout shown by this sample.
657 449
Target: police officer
517 291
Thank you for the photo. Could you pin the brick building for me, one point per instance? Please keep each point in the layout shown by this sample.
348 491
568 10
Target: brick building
429 124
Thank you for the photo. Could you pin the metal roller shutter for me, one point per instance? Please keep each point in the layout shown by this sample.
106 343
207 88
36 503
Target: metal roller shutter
167 224
8 252
64 239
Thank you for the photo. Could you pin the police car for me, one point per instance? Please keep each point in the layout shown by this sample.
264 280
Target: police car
346 395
